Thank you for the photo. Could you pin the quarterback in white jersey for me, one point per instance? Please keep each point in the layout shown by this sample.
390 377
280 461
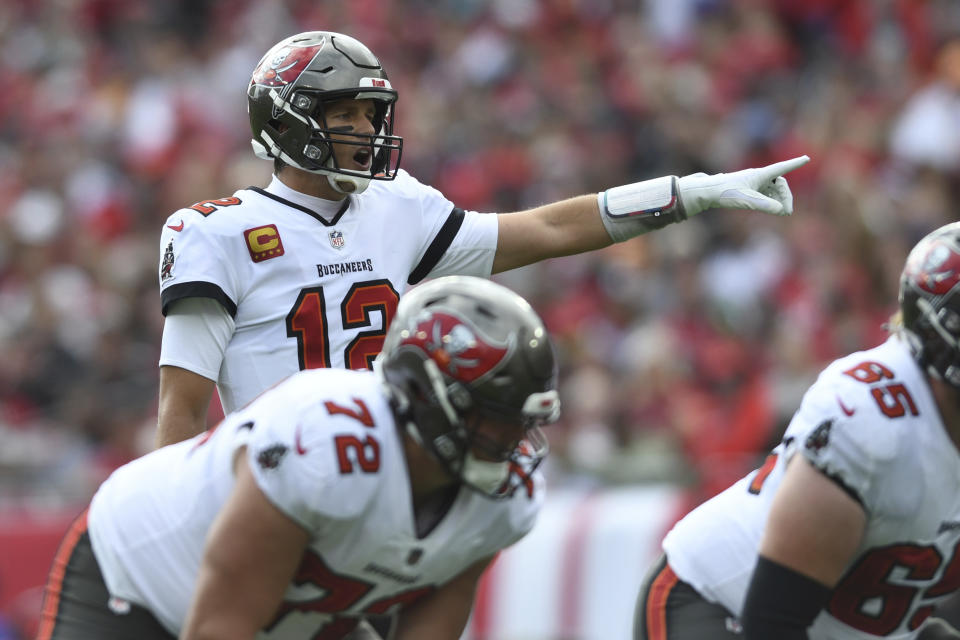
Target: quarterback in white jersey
307 272
336 495
307 287
851 528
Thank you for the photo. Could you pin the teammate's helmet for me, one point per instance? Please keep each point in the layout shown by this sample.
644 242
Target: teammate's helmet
286 97
930 302
461 349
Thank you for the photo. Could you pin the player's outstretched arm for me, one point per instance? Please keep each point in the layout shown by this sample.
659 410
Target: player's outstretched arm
592 222
813 530
444 613
251 554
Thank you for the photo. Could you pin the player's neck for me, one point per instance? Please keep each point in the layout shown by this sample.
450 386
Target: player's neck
432 491
948 401
311 184
427 477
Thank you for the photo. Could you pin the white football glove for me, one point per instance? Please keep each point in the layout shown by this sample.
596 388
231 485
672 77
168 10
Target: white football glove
641 207
762 189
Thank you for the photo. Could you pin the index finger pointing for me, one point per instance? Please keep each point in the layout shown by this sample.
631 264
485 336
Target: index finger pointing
779 168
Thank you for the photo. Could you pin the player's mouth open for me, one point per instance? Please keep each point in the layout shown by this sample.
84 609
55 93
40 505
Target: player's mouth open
363 157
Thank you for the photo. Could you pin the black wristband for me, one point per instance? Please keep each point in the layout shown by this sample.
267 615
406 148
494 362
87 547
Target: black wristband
781 603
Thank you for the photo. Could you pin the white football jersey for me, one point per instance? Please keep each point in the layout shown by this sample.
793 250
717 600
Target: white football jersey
307 291
871 423
325 449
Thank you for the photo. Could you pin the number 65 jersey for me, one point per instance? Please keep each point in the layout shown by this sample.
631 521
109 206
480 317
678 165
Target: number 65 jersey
325 450
870 423
311 283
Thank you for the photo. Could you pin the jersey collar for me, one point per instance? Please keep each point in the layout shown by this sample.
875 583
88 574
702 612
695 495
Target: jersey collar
326 211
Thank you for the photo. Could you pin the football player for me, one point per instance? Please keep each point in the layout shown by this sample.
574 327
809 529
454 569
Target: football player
335 496
851 528
306 273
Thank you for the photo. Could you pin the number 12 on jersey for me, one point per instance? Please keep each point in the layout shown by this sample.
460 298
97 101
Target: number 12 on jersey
307 322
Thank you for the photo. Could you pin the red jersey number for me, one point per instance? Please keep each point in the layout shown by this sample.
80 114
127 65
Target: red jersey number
340 594
893 399
307 322
876 598
354 452
206 207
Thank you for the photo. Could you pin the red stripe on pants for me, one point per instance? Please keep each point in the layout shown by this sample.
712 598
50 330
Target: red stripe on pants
51 598
656 612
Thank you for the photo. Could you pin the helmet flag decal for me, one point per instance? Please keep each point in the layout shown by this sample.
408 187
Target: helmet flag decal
938 271
456 348
285 66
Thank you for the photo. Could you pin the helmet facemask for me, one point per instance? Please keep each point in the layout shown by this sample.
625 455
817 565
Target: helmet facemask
307 110
498 471
936 339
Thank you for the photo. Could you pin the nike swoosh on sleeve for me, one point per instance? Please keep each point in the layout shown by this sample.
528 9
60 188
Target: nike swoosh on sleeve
846 410
296 441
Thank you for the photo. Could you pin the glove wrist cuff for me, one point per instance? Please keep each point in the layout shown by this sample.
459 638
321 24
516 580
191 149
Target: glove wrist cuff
634 209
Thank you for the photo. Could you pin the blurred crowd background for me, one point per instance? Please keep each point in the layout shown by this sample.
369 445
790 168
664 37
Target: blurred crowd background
685 352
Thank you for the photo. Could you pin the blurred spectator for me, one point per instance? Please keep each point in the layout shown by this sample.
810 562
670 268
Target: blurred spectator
927 131
683 353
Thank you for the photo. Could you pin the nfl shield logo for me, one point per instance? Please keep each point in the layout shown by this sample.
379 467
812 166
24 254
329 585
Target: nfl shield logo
336 239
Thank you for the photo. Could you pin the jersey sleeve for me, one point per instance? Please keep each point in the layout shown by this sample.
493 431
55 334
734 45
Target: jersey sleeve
194 262
472 249
195 336
457 241
296 461
839 430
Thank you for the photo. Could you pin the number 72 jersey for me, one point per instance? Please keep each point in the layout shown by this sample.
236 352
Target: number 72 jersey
869 422
310 289
325 449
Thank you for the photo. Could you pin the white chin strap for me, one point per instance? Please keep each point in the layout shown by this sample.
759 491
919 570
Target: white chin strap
486 476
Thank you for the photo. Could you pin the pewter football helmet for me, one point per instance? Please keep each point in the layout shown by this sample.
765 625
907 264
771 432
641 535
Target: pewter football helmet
930 302
462 349
286 98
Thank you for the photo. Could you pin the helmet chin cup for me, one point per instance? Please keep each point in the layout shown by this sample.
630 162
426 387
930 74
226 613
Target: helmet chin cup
487 477
348 185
